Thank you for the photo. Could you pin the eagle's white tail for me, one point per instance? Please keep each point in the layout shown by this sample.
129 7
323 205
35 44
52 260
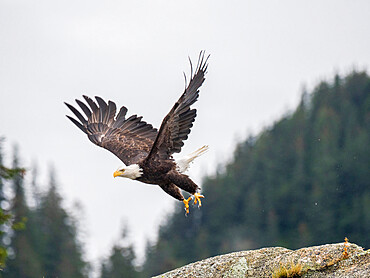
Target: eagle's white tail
183 163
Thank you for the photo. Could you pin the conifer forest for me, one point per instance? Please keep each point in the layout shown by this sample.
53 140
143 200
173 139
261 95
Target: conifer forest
302 181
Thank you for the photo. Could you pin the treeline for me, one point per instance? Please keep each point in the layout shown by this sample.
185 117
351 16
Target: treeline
38 240
303 181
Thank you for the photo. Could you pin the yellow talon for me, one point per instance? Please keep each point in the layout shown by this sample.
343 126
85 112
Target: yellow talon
186 202
197 197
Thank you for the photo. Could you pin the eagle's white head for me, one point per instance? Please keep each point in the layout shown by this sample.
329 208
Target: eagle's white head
132 171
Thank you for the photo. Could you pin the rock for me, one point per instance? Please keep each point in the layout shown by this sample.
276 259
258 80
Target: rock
330 260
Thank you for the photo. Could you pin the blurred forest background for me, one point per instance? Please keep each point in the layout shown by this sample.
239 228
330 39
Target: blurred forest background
302 181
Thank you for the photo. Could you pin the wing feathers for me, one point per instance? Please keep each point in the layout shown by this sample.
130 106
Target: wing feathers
111 112
130 139
176 126
84 108
121 114
120 117
77 114
80 126
95 110
103 109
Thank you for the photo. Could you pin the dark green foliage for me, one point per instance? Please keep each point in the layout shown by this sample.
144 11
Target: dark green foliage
60 250
120 262
24 261
303 181
6 220
43 237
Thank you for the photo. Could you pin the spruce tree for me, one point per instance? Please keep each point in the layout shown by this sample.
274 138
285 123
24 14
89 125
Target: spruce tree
4 217
62 254
24 262
120 262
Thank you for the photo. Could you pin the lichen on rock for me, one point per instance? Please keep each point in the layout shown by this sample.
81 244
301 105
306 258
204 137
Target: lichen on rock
314 262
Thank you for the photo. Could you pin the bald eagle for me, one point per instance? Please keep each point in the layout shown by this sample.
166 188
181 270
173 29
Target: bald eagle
145 151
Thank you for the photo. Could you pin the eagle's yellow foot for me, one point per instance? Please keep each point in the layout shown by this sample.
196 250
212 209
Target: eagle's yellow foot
186 202
197 197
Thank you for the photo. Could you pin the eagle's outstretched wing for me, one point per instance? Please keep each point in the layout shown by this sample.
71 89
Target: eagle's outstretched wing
129 139
175 127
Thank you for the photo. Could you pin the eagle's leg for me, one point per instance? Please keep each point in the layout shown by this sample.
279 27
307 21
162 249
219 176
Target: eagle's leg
197 197
186 202
185 183
174 191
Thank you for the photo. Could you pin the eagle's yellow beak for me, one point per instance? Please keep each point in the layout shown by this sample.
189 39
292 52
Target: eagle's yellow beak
117 173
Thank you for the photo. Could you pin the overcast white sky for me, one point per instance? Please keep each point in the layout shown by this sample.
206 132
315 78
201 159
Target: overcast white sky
134 52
